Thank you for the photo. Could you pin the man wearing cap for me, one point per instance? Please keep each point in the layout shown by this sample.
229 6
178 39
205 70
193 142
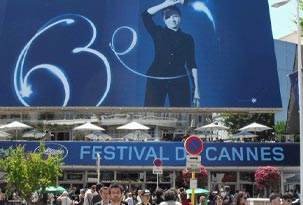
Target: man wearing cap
145 198
174 59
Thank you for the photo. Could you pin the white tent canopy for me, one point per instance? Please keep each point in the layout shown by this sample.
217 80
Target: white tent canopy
33 134
98 136
137 136
243 134
15 126
255 127
211 127
5 135
133 126
206 135
89 126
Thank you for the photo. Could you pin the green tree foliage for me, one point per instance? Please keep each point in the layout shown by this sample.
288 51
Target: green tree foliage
280 127
236 121
29 172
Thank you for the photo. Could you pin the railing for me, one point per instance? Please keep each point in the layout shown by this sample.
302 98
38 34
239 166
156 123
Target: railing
119 119
258 201
14 202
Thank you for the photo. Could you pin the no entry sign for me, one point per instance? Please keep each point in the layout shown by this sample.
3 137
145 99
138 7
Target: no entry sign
193 145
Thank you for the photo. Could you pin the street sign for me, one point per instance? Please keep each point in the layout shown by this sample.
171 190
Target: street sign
193 183
193 163
193 145
158 162
157 170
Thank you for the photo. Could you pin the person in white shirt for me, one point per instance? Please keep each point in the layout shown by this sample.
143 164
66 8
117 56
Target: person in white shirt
139 195
129 199
88 198
64 199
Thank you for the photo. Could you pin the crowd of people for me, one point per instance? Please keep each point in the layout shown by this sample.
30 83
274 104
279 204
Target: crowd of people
284 199
115 194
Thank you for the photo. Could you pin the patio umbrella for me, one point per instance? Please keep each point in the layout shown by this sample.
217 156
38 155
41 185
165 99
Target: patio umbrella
205 135
60 189
88 126
244 134
5 135
255 127
15 126
100 136
49 189
198 191
211 127
137 135
133 126
33 134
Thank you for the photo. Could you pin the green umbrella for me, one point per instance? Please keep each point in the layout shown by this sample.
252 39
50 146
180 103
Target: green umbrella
49 189
198 191
60 189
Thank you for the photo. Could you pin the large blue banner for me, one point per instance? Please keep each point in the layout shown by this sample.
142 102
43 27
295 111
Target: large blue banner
171 153
115 53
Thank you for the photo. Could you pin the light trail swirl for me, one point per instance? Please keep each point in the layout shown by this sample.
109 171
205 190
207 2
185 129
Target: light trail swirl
22 86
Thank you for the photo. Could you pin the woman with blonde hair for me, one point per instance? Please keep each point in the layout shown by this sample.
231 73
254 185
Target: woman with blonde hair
202 200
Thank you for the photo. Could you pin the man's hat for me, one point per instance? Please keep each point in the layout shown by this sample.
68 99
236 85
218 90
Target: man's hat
171 10
146 192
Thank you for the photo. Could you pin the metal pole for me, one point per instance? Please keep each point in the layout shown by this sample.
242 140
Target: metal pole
299 58
98 166
157 181
193 176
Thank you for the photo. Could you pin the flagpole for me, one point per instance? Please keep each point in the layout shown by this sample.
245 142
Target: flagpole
98 166
299 56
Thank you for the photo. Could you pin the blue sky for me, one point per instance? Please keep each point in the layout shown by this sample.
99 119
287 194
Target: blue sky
282 18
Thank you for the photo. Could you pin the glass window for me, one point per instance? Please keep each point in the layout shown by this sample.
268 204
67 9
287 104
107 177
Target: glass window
222 177
129 176
74 176
291 181
247 176
165 177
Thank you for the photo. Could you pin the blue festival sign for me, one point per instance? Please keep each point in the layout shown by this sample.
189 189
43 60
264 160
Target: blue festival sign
170 153
116 53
